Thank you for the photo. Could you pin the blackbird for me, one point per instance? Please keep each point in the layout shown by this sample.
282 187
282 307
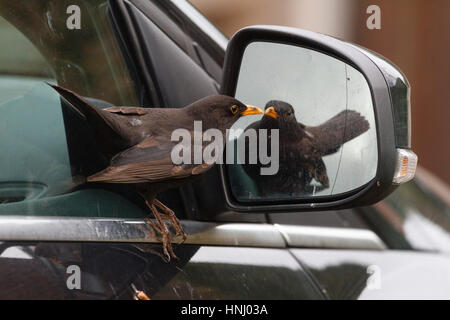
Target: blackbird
138 142
302 147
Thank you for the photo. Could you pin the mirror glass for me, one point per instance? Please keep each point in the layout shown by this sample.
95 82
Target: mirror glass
318 134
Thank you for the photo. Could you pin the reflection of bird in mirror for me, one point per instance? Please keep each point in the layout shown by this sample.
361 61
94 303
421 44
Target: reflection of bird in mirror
302 147
138 142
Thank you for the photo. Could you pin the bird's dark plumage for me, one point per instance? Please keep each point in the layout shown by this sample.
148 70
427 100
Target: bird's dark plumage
302 147
138 142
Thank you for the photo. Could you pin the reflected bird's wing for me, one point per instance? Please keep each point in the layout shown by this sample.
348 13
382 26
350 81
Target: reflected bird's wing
343 127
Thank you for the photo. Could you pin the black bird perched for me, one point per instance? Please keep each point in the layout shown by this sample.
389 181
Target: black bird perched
138 142
302 147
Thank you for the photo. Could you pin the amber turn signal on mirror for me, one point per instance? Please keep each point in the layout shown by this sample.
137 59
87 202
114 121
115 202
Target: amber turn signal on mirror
406 166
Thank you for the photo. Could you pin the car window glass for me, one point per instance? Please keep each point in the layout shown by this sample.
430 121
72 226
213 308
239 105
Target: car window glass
47 146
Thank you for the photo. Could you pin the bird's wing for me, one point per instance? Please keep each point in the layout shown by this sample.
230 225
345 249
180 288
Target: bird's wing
149 161
127 111
343 127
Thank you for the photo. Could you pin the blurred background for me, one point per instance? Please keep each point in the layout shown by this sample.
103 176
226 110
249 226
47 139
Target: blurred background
414 35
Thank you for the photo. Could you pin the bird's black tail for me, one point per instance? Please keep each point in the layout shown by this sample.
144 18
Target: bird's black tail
101 121
91 113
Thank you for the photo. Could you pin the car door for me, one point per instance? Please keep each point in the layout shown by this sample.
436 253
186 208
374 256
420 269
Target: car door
413 225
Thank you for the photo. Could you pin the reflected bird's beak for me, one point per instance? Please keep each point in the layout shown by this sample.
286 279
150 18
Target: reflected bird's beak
251 110
271 112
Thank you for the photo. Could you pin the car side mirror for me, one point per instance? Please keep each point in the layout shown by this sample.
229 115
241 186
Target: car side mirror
336 128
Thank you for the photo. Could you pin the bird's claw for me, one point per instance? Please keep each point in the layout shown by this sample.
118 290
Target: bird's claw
171 217
160 226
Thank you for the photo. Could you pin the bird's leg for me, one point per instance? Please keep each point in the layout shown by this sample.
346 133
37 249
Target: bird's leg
172 218
149 203
161 227
166 239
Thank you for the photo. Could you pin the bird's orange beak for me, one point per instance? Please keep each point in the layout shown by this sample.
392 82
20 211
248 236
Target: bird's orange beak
271 112
251 110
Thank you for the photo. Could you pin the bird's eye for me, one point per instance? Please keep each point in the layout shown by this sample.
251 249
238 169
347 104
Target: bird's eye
289 114
234 108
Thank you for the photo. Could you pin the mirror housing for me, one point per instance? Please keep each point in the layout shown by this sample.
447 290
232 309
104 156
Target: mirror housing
389 91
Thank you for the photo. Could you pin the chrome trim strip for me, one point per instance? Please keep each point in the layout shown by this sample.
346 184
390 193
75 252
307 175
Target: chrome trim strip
241 235
15 228
337 238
